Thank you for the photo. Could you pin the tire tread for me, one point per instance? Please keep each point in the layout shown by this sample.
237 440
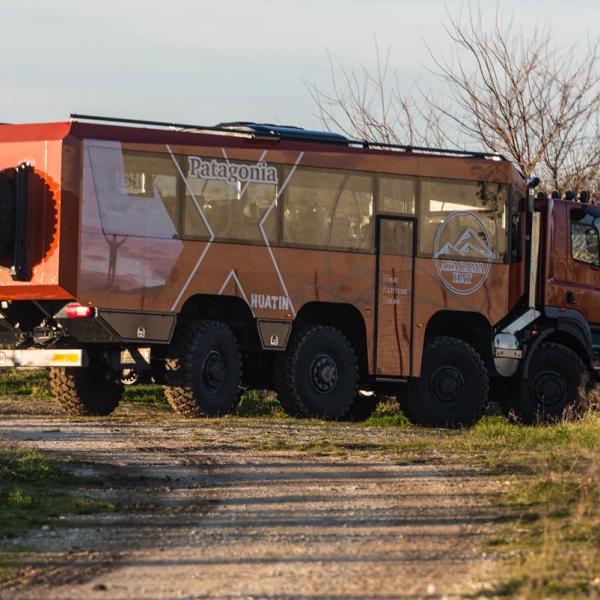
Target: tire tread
179 366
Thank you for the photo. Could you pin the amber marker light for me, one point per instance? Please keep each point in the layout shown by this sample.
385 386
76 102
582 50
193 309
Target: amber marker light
68 357
78 311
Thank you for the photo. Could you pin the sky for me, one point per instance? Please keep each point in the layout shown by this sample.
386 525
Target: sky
205 62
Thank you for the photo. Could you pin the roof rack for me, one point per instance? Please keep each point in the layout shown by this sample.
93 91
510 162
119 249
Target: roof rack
430 150
167 124
289 132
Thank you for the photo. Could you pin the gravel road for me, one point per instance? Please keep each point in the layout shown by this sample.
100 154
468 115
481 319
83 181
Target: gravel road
207 509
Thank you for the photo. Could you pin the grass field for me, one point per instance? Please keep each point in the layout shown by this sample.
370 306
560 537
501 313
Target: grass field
548 543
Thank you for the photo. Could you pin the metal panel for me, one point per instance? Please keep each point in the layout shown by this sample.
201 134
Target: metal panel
140 326
274 334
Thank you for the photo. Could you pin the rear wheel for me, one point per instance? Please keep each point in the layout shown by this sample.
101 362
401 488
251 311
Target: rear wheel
453 388
203 373
86 391
556 389
318 374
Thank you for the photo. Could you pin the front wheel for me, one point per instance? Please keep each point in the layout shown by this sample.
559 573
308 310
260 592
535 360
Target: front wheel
453 388
556 387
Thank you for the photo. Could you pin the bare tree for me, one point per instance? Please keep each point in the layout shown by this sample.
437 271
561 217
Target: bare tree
514 92
505 89
371 105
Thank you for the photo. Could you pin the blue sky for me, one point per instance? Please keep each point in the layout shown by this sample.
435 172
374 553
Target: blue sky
203 62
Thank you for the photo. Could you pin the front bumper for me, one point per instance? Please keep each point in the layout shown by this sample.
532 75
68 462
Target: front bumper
58 357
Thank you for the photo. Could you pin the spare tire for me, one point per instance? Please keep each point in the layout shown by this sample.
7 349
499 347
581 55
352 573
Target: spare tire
8 213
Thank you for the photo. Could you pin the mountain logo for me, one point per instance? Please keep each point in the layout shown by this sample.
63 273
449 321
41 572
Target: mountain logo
462 260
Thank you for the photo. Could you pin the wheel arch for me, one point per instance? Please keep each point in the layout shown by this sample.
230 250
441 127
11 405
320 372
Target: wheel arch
470 327
232 310
568 337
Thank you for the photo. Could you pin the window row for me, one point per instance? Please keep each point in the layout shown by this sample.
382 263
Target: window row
163 196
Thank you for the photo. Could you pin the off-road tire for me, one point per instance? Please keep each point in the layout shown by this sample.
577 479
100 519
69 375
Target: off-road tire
288 402
8 213
314 353
452 390
85 391
191 388
552 366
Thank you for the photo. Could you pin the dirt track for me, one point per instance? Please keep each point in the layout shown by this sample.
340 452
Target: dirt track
204 512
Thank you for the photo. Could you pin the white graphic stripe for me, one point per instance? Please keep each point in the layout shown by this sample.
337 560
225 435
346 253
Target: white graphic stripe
233 276
243 190
262 230
212 234
201 212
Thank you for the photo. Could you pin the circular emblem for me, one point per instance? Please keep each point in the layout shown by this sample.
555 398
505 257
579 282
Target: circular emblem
462 252
2 358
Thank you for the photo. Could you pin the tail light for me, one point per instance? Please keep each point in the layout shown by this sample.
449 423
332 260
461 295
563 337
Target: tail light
78 311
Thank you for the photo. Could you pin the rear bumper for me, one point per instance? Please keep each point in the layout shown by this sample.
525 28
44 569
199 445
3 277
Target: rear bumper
59 357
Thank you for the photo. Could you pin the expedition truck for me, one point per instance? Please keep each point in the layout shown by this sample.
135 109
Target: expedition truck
328 269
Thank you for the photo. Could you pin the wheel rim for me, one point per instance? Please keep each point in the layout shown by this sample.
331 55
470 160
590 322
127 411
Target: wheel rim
549 389
129 376
213 370
323 373
447 384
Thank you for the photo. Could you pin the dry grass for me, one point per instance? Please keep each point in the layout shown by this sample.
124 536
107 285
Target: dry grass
548 478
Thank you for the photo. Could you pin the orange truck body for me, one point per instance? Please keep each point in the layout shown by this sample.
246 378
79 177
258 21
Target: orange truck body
146 224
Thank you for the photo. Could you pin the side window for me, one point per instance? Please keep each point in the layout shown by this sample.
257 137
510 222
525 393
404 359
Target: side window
585 240
136 191
478 226
329 209
229 199
397 195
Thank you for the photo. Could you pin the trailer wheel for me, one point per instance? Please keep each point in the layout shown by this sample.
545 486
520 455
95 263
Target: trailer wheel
8 203
453 388
556 389
318 375
85 391
204 372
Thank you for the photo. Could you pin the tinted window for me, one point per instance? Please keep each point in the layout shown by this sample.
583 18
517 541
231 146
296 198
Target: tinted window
397 195
329 209
396 237
230 208
136 191
585 241
486 201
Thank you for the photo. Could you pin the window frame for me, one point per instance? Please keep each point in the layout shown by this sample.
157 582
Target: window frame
499 261
370 249
228 240
125 149
594 226
379 211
